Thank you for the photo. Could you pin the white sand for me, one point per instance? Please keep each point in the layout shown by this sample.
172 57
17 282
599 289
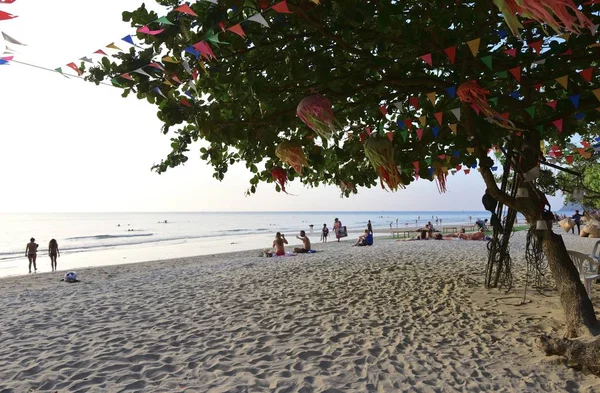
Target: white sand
398 316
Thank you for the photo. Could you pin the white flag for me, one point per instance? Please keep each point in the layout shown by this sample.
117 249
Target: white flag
258 18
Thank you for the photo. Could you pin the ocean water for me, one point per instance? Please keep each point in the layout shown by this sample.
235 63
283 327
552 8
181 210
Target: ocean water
94 239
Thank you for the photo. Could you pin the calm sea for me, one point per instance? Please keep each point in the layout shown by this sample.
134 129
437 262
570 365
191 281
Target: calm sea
94 239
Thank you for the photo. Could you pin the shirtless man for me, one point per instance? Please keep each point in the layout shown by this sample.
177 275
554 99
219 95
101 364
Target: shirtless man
305 242
31 253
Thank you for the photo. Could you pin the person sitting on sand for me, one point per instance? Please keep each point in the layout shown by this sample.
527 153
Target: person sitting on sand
479 235
278 244
365 239
305 243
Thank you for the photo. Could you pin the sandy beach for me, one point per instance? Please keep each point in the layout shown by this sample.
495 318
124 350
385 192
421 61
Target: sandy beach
394 317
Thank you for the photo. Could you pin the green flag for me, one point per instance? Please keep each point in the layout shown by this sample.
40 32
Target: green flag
404 135
487 60
494 101
502 75
531 110
163 21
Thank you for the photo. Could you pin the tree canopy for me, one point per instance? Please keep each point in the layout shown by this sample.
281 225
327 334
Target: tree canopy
390 70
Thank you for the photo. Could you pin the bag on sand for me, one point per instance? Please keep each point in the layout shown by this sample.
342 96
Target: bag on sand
593 231
567 224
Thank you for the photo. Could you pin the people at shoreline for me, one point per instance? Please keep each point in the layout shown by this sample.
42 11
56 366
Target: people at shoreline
53 253
31 253
366 239
278 244
305 243
338 229
324 233
370 227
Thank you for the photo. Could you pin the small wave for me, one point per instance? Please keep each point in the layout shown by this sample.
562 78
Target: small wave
100 237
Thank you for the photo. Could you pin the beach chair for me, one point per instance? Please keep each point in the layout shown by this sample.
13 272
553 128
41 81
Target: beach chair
596 253
587 268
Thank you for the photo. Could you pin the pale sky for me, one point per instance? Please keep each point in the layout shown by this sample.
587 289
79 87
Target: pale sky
69 146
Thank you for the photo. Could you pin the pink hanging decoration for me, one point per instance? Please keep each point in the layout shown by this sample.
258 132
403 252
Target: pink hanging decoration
315 111
472 93
292 154
280 176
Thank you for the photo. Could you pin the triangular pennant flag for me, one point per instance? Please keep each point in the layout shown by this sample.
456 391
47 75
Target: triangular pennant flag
467 171
587 74
156 65
404 134
456 113
414 102
185 9
163 21
537 46
453 128
494 101
451 53
428 160
502 75
128 39
258 18
281 7
597 93
569 159
156 89
494 168
87 59
6 16
439 116
470 150
423 120
390 135
435 131
563 81
516 72
408 124
101 52
419 133
416 165
558 124
193 51
427 59
398 106
142 72
451 91
126 76
579 116
168 59
8 38
368 130
115 82
431 97
474 46
487 60
400 124
59 70
515 94
531 110
113 46
552 104
185 102
575 100
168 83
237 29
146 30
511 52
540 129
383 110
204 50
565 36
73 66
442 156
594 28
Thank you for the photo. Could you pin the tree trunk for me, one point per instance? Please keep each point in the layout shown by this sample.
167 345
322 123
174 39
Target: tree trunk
577 352
579 311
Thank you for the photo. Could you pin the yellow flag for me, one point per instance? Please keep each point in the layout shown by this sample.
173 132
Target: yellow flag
453 128
113 46
474 46
565 36
470 150
597 93
423 120
168 59
167 83
203 68
563 81
431 97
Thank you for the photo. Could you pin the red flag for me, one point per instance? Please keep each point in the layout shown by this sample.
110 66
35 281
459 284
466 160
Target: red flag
263 4
368 130
237 29
587 74
408 124
467 171
537 46
558 124
383 110
569 159
7 1
126 76
185 9
419 133
390 135
101 52
585 144
222 26
451 53
363 136
442 156
511 52
414 101
204 50
439 117
74 68
282 8
552 104
416 165
185 102
538 86
516 72
427 59
458 167
6 15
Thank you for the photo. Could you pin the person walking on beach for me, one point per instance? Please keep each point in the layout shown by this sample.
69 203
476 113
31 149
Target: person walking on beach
577 218
324 233
53 252
369 227
278 244
305 243
337 224
31 253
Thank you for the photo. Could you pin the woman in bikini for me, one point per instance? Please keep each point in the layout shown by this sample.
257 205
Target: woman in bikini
53 252
31 253
278 244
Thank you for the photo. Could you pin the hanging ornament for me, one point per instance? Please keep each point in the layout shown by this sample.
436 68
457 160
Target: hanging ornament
292 154
347 186
315 111
380 152
441 173
280 176
472 93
